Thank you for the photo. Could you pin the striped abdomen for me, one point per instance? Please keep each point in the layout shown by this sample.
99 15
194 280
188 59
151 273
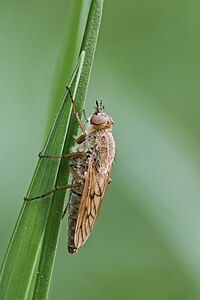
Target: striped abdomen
74 203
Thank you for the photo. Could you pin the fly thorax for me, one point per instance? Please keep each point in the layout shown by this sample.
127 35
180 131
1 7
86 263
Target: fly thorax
103 146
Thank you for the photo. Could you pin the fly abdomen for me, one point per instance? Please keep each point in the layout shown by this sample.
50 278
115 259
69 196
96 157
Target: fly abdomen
74 203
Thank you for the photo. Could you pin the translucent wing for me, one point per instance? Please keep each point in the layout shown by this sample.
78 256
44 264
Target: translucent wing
96 182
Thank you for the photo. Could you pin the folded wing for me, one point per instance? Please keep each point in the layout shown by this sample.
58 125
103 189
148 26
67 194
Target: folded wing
96 181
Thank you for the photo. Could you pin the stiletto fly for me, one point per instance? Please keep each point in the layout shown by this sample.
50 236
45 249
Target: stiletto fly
90 165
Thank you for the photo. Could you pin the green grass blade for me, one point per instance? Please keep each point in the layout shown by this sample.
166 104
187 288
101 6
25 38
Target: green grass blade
21 261
68 56
27 267
50 239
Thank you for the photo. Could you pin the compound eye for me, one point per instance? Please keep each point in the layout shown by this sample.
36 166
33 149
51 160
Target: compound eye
98 120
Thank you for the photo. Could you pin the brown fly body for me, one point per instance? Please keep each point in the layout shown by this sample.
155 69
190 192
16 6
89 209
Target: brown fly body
90 165
93 170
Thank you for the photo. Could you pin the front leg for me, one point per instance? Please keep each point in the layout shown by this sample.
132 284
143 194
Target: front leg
69 155
81 138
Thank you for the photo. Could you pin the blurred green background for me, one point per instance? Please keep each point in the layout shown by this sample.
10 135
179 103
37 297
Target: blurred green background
146 243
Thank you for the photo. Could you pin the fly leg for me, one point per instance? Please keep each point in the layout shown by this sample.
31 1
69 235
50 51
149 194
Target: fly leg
64 187
82 137
79 140
85 117
69 155
57 188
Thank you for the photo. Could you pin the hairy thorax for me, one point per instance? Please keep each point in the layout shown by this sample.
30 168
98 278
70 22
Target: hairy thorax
100 145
